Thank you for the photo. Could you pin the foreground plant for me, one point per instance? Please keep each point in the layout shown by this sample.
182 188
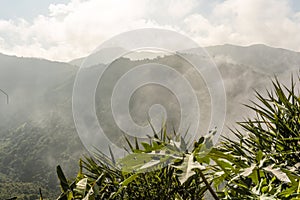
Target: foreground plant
163 168
262 162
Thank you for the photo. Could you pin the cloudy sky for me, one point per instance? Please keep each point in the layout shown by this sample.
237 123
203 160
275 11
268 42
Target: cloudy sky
66 29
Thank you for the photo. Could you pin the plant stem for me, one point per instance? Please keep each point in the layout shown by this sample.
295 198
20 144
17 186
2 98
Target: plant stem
208 186
41 196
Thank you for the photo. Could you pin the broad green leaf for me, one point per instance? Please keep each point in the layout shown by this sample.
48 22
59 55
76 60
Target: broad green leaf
141 162
81 186
248 170
278 173
187 167
63 181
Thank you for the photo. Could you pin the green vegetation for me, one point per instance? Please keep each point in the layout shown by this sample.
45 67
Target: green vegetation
262 162
29 155
21 190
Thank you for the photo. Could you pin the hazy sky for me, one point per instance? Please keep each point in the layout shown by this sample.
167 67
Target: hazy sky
67 29
27 9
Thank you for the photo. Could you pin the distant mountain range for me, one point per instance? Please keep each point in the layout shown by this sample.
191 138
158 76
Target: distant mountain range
37 131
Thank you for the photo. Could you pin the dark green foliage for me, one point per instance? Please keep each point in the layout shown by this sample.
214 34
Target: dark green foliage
21 190
107 180
29 155
262 162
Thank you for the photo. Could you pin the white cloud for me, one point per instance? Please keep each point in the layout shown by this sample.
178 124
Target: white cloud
257 21
75 29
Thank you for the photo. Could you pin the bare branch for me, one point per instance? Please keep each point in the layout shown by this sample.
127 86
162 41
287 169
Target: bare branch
7 97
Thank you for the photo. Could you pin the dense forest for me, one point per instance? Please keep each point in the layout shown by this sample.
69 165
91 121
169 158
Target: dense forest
28 158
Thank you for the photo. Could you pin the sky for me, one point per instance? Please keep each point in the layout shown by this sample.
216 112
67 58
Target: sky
63 30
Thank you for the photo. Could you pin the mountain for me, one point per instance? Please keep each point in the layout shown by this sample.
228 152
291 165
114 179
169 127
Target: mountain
245 69
259 57
101 56
37 130
36 127
28 83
